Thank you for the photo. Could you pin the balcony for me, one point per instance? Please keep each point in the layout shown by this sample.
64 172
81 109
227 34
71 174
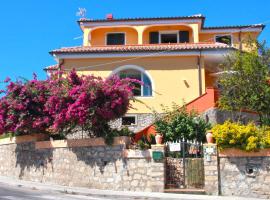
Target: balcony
139 35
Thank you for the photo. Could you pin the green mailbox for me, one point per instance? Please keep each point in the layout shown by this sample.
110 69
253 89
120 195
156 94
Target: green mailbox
157 155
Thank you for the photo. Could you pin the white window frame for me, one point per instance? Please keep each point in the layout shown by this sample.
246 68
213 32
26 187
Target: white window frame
143 71
130 115
219 35
106 37
168 32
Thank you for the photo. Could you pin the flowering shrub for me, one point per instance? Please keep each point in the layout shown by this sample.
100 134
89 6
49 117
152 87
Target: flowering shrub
64 104
246 137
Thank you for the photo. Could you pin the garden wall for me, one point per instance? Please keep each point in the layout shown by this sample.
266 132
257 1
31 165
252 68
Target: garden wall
83 163
237 173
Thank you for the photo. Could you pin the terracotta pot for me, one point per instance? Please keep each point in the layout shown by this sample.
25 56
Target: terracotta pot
209 137
159 139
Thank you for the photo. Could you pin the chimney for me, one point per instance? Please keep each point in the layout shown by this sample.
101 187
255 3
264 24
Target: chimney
109 16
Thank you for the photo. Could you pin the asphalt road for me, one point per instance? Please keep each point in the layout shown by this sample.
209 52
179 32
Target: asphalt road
21 193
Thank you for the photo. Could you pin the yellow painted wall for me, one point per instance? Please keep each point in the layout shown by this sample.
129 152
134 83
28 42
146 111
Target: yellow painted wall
98 36
209 37
166 28
169 75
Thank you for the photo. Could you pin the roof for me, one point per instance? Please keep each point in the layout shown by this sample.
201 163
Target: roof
236 26
199 16
141 48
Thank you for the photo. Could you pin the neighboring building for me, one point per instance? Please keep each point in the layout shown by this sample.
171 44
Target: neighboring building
176 57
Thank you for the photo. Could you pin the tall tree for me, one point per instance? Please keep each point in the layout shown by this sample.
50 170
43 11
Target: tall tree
245 83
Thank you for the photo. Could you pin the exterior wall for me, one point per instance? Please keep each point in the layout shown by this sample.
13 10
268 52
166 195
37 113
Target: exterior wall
136 34
175 79
143 120
97 167
209 80
210 37
235 181
98 36
233 172
217 116
166 28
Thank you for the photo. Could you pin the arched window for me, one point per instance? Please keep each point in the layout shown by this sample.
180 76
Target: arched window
144 90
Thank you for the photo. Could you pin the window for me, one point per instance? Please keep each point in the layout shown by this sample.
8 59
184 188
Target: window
169 37
226 39
129 120
140 90
115 39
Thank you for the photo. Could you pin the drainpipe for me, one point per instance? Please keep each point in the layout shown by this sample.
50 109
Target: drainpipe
200 73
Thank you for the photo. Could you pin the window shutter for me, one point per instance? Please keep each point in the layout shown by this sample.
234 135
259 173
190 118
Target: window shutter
153 37
184 36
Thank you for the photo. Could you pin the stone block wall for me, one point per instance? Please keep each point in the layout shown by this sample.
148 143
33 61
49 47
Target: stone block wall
99 167
232 172
218 116
245 176
211 169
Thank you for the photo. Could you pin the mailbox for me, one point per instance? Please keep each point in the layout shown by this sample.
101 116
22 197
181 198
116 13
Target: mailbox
157 155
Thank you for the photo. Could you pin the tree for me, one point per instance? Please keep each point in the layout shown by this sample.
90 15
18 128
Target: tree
245 85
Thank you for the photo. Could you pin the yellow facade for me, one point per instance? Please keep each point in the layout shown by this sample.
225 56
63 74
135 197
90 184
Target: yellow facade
174 79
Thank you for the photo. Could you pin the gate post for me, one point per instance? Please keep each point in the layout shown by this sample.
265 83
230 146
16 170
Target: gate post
211 169
158 169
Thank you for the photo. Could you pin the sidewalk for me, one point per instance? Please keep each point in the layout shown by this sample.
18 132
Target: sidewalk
108 193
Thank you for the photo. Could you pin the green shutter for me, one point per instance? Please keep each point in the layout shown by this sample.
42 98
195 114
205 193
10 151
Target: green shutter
154 37
184 36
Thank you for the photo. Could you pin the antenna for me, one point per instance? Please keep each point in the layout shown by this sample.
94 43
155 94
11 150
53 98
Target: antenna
81 12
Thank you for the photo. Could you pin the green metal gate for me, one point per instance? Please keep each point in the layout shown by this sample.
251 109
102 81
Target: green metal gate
184 165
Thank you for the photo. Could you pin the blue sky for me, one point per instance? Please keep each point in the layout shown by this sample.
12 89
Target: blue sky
31 28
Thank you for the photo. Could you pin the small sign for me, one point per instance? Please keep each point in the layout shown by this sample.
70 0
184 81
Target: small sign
175 146
157 155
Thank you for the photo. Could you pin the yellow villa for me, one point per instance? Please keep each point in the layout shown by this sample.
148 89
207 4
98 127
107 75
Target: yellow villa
177 58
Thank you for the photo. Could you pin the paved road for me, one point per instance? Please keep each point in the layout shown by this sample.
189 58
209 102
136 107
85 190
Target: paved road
21 193
18 193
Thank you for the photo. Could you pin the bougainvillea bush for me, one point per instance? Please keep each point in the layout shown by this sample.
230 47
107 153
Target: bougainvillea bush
62 105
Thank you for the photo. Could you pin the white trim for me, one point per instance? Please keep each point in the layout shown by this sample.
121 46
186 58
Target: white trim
140 22
168 32
141 54
130 115
125 41
235 30
220 35
137 68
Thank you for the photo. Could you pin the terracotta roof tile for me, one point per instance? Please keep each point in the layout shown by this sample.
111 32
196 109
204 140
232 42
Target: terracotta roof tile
143 18
141 48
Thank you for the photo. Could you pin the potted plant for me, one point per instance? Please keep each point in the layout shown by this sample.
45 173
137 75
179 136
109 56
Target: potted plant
209 137
159 138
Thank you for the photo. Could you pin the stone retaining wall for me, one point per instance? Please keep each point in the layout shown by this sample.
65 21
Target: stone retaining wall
99 167
237 173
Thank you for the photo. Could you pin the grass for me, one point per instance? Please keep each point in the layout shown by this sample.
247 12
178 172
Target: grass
7 135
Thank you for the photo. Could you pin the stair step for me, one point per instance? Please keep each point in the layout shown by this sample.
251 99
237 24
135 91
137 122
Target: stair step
185 191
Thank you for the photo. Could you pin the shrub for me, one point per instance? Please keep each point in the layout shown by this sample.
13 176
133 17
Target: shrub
246 137
180 124
61 105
